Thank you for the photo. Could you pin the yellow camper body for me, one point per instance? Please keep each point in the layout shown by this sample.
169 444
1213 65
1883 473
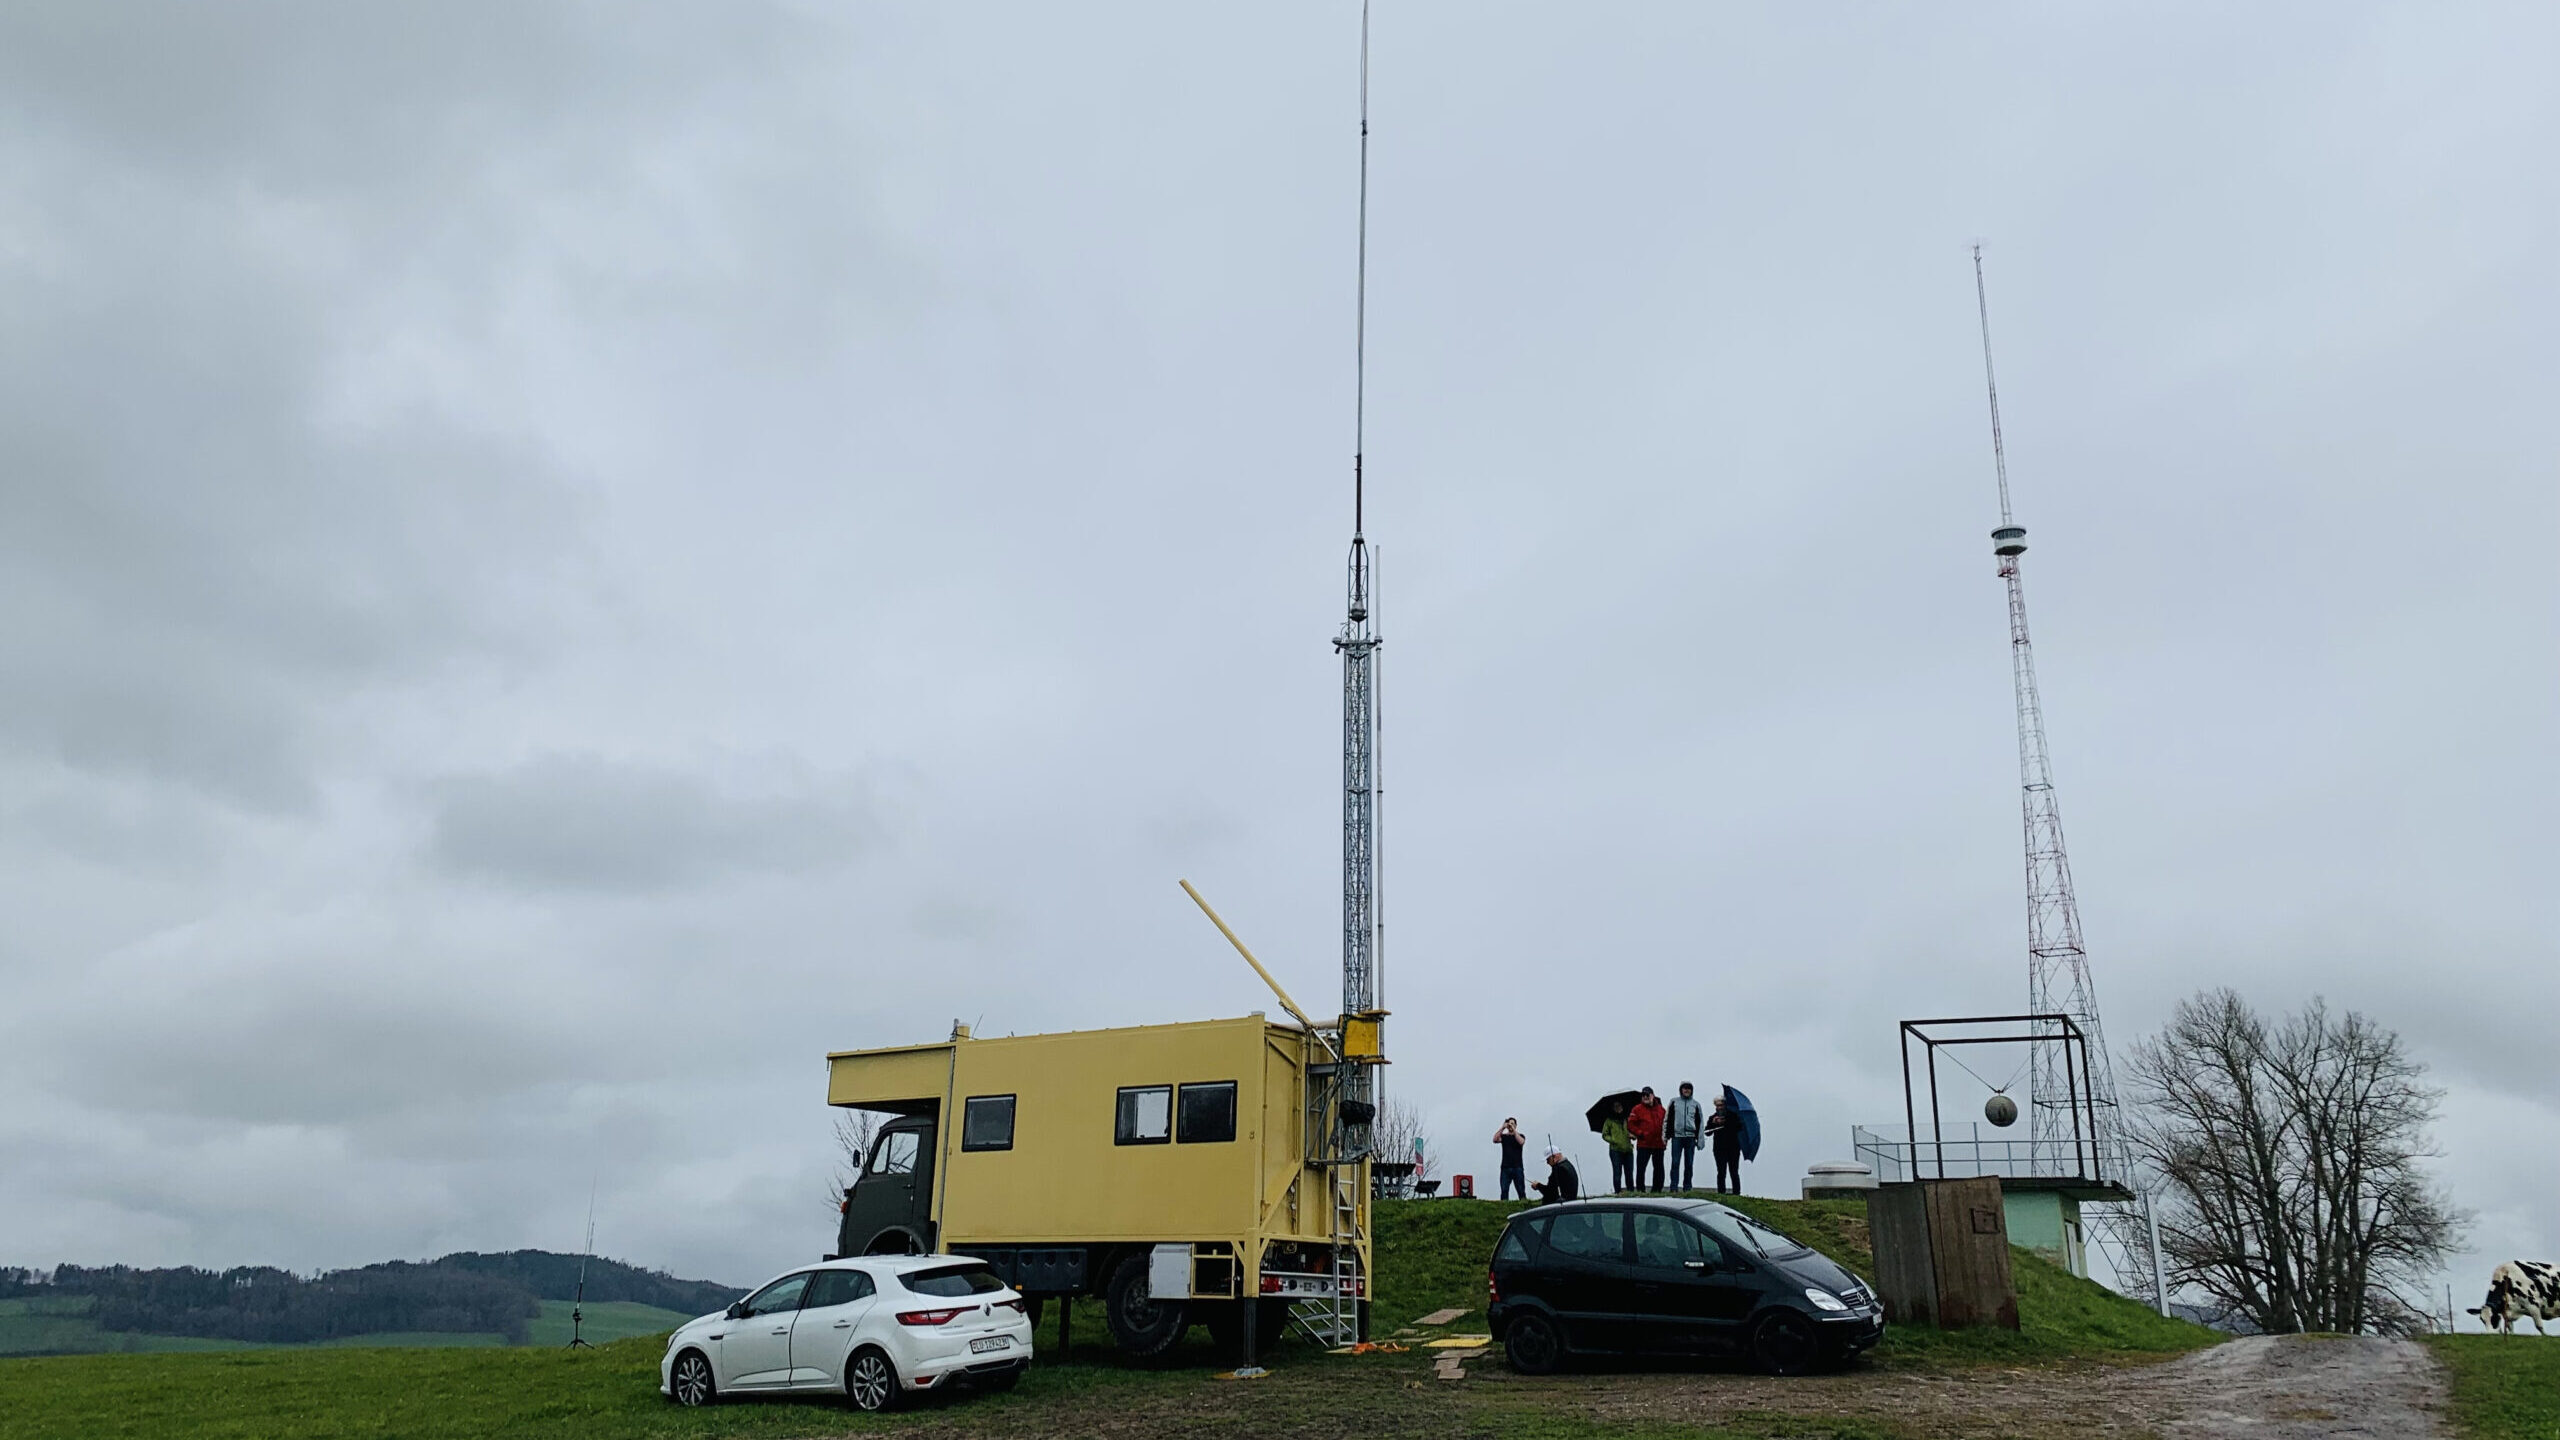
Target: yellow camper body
1063 1159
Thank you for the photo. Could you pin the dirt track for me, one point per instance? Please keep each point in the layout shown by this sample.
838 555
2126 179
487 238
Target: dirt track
2251 1389
2258 1388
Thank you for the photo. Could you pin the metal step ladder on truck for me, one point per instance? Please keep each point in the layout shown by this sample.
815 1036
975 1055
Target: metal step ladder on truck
1199 1173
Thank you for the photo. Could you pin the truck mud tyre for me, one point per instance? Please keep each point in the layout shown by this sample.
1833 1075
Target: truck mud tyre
1142 1325
1532 1345
1784 1343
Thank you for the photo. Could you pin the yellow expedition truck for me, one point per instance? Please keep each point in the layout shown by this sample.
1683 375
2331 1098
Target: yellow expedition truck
1185 1174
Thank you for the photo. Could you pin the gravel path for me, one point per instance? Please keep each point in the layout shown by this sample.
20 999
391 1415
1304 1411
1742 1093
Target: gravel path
2264 1388
2257 1388
2260 1388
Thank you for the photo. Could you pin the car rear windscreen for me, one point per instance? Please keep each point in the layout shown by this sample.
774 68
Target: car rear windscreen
957 1280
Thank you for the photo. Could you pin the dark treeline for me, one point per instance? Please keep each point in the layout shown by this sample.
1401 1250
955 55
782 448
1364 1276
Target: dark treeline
266 1306
462 1293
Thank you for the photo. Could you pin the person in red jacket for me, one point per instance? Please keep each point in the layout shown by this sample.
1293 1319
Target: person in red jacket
1644 1126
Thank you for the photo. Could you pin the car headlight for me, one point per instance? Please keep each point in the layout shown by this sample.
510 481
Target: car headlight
1824 1299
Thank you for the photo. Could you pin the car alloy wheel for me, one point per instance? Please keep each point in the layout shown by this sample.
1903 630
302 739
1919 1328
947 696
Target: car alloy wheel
692 1383
1783 1343
871 1382
1531 1345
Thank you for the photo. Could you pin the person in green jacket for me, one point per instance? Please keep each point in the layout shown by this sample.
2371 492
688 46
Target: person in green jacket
1622 1149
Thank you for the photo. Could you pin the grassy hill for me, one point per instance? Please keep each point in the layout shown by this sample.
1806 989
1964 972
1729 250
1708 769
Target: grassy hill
1431 1255
2505 1387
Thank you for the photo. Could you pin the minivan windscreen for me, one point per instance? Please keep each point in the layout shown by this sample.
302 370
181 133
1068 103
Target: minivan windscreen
1737 1229
957 1281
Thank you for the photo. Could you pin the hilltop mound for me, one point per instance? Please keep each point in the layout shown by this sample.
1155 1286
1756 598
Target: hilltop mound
1432 1255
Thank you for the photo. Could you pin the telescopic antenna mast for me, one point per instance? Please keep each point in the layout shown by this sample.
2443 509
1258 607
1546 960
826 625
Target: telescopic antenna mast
578 1305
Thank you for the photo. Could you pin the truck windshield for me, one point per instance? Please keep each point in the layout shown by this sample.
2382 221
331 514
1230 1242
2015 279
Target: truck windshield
957 1280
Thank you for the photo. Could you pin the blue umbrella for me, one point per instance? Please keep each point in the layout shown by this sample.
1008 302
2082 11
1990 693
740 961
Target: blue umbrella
1740 1104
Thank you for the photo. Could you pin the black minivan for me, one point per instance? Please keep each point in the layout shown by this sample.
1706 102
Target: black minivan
1630 1276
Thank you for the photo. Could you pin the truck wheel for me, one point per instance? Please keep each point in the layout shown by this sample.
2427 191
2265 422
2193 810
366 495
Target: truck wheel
1142 1324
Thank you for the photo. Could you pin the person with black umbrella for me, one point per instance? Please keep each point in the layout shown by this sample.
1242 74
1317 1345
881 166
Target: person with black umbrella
1724 1127
1622 1148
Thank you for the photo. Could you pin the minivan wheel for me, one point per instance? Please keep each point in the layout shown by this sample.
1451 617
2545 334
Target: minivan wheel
691 1382
1531 1344
1142 1324
1783 1343
871 1382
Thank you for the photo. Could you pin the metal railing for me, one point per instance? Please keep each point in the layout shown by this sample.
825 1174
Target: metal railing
1964 1152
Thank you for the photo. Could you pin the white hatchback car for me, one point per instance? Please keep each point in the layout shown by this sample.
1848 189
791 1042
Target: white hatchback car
872 1329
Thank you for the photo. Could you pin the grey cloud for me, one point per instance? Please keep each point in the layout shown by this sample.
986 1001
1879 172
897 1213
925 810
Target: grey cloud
584 823
426 433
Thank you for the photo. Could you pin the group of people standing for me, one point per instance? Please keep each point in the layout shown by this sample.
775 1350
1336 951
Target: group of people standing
1641 1135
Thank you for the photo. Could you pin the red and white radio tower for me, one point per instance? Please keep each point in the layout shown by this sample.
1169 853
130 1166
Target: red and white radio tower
2057 965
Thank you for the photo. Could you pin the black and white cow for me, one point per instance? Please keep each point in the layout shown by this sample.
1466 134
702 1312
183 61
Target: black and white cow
2521 1290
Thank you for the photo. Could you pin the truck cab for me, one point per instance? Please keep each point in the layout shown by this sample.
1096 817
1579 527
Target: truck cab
889 1210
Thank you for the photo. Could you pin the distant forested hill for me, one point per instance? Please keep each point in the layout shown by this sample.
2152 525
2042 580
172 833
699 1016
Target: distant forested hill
459 1294
271 1307
555 1277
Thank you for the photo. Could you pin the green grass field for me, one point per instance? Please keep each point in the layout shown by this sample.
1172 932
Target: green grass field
1431 1255
2505 1387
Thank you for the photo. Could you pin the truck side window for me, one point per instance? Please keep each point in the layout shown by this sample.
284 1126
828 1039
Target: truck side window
1208 1113
986 1123
1146 1115
896 1154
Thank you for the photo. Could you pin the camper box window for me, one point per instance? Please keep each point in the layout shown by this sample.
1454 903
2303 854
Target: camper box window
986 1123
1208 1113
1146 1115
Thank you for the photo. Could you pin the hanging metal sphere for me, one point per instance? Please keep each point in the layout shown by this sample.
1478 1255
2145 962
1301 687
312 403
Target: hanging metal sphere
2000 1110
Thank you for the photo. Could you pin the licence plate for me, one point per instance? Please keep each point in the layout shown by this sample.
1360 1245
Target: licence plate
991 1342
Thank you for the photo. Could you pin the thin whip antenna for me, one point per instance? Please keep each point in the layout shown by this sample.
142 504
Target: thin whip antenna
578 1305
1999 451
1360 304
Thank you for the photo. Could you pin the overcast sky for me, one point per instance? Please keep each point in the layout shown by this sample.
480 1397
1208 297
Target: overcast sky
559 562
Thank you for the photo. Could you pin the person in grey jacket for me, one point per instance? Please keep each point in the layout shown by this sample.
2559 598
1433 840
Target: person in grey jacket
1687 1127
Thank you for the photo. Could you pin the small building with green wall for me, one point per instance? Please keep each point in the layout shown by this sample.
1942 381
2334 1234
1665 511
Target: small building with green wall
2044 1216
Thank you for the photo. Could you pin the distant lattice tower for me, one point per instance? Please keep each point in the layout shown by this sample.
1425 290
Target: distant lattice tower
2057 964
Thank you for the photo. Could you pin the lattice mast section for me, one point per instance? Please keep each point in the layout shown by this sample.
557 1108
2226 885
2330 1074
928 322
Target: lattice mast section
1358 644
2057 965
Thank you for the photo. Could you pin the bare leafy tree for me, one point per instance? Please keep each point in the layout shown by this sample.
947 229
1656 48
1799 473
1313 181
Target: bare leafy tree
855 1130
1392 1135
2291 1160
